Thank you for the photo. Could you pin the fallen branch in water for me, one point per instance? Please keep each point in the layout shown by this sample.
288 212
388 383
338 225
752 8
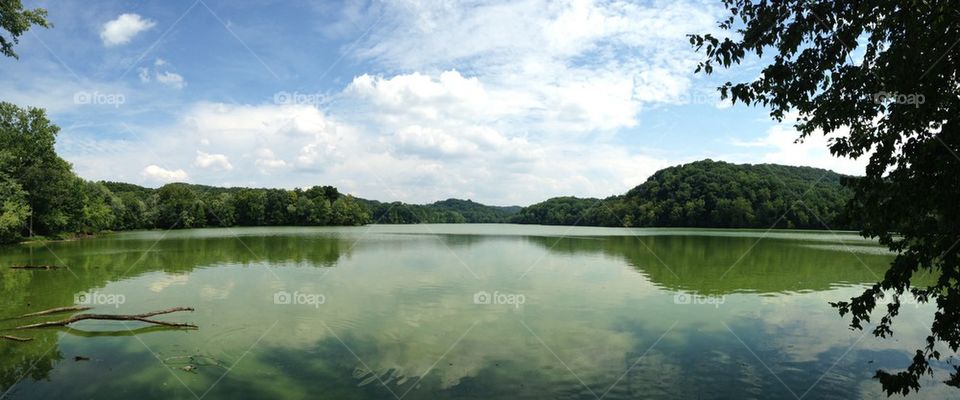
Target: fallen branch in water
16 338
114 317
54 311
35 267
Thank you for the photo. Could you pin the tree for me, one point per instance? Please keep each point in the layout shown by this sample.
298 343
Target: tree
328 192
14 210
220 209
347 211
98 214
26 141
897 105
277 206
16 21
176 205
250 207
132 213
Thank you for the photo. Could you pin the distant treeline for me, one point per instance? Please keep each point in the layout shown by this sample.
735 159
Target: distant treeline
450 211
41 196
711 194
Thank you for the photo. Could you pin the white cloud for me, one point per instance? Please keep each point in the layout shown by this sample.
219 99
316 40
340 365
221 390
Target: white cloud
144 75
215 161
171 79
155 173
505 102
165 77
780 146
267 162
296 146
576 66
122 29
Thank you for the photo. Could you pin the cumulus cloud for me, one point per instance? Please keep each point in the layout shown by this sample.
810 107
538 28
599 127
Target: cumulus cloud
165 76
171 79
214 161
267 162
157 174
122 29
298 146
780 146
507 102
574 65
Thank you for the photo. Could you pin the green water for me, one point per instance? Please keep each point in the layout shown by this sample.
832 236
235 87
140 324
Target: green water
384 312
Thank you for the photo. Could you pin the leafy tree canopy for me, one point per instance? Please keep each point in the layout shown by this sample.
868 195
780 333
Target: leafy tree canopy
882 77
16 21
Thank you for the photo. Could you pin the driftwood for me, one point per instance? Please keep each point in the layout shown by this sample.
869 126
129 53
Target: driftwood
35 267
54 311
16 338
145 317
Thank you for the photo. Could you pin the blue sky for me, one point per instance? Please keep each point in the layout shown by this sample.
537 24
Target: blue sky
502 102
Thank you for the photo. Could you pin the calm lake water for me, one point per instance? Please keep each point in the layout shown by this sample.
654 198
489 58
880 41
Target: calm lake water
454 311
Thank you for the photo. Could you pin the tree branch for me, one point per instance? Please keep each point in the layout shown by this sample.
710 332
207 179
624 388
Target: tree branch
113 317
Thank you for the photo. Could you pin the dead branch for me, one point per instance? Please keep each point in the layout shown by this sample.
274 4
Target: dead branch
114 317
16 338
55 311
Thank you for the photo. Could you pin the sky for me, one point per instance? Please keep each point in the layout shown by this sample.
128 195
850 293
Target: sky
502 102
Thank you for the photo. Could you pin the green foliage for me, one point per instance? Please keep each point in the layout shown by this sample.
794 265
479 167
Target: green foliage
710 194
99 207
132 214
718 194
448 211
220 209
348 211
28 156
16 21
176 205
558 211
898 104
14 210
251 207
182 205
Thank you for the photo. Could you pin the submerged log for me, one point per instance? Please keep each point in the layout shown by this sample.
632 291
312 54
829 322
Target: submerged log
145 317
16 338
35 267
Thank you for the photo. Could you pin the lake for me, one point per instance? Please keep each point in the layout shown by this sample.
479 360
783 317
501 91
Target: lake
454 311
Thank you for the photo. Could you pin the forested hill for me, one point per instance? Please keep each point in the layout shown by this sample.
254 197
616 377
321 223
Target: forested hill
192 206
445 211
711 194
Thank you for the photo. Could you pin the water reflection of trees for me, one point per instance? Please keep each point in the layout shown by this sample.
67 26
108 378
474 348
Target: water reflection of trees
713 265
692 263
95 263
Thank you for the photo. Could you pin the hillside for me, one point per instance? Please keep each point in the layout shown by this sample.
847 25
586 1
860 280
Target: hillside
173 204
445 211
711 194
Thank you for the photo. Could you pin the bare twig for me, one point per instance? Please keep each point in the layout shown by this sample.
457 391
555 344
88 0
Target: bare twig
16 338
113 317
55 311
